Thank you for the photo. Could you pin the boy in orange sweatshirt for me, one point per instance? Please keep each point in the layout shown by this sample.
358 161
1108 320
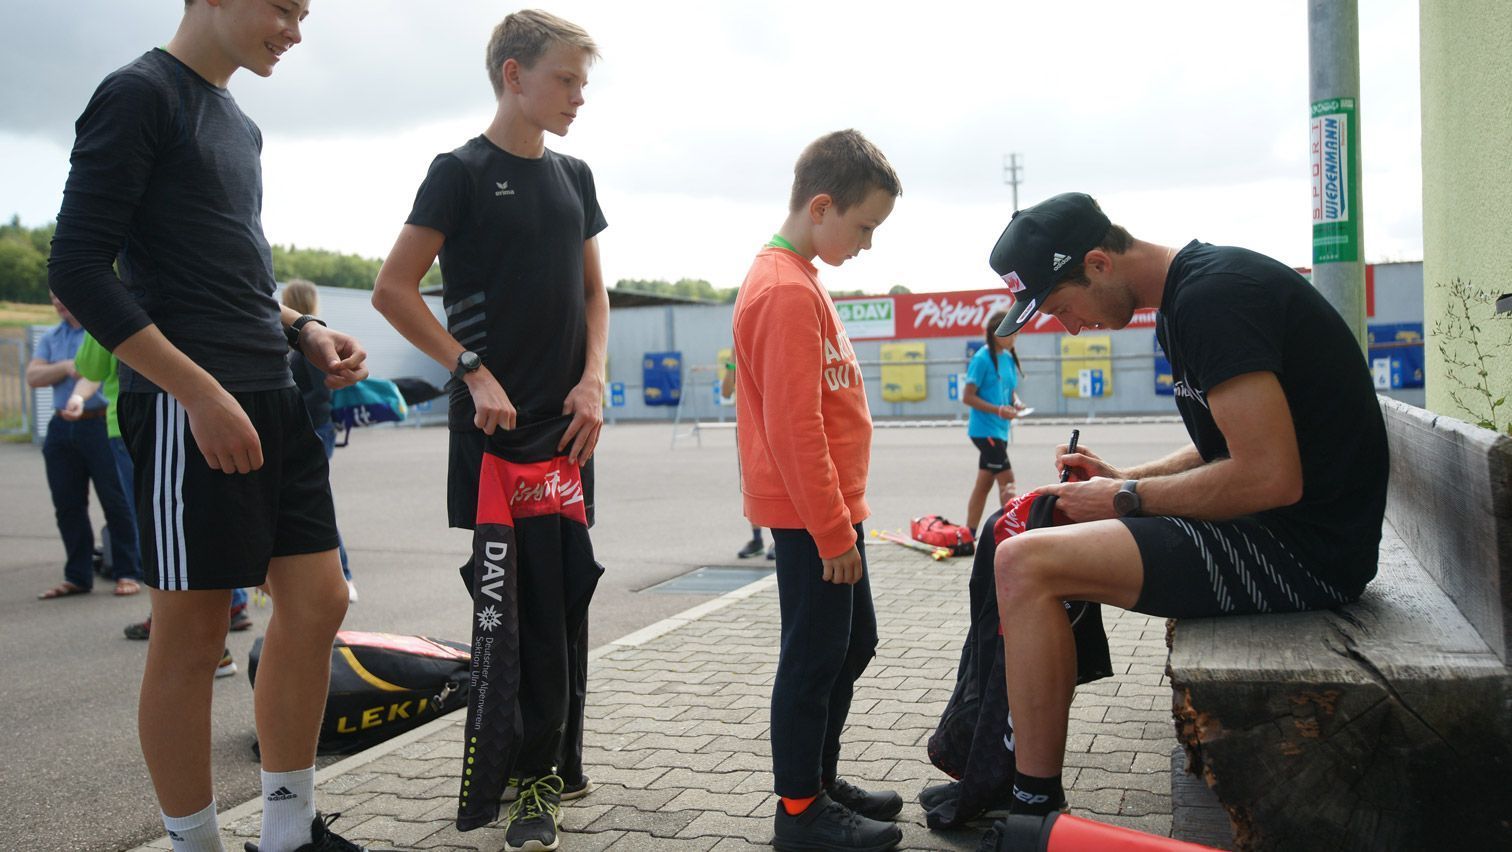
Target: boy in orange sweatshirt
805 442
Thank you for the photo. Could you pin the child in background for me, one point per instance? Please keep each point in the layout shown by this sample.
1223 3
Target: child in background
991 381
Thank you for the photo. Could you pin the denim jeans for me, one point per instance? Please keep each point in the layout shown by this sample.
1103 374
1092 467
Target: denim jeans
75 454
327 433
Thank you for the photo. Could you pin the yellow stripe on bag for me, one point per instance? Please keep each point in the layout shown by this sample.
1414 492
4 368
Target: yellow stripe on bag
367 675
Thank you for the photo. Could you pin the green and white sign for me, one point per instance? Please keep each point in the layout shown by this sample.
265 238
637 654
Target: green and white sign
1335 157
867 318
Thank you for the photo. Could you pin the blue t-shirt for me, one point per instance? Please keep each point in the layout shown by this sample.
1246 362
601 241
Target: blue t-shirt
61 344
995 387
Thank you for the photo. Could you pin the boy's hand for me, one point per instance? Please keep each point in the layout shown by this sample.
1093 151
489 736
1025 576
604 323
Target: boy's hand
224 433
586 405
1084 464
843 569
494 410
338 355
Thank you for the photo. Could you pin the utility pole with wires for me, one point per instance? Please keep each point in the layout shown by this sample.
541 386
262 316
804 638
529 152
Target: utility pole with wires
1012 166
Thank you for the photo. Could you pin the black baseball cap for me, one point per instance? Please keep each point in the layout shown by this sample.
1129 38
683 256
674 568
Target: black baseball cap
1038 244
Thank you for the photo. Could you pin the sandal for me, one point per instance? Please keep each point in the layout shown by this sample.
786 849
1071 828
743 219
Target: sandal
62 590
126 587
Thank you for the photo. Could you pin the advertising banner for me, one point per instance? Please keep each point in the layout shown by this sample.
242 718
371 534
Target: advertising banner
959 313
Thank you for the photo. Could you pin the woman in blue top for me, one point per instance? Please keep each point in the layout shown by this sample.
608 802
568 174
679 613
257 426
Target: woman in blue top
990 382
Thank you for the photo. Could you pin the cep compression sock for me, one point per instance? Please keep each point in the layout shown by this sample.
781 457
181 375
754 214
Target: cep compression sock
288 810
1038 796
197 832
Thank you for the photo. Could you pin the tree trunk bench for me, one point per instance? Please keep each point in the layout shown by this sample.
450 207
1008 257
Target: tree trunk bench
1386 723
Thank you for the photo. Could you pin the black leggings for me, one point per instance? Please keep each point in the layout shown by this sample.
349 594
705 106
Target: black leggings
829 634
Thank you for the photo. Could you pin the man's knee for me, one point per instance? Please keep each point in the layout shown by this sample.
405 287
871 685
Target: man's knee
1023 567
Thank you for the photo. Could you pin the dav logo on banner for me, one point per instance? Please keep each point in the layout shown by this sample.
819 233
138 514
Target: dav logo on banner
513 490
867 318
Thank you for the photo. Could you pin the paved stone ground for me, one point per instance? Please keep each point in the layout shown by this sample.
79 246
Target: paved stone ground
677 731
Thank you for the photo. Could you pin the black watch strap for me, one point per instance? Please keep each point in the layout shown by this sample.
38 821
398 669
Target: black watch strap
291 333
1126 502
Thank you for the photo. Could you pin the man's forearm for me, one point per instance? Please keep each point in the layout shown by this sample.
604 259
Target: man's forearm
1216 491
42 374
1182 460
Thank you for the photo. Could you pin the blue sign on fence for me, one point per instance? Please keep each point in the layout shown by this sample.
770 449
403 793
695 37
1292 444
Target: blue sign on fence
616 394
1165 383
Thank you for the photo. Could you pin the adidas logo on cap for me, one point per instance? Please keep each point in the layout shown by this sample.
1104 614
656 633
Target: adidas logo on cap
1060 260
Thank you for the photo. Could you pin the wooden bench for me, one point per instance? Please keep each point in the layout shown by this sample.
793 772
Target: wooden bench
1387 723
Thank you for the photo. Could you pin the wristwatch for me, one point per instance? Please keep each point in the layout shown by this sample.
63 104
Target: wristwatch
467 362
291 333
1126 502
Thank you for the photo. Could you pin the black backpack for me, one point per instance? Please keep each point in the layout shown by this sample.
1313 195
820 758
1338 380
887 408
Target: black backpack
383 684
969 744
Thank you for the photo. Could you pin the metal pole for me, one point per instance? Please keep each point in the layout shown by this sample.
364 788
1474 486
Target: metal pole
1011 175
1338 227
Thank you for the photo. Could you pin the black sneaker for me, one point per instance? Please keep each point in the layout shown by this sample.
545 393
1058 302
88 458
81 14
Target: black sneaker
532 818
881 806
322 838
931 796
828 826
140 630
752 548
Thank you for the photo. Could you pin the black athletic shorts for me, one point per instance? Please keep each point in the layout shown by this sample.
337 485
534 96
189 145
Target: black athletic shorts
464 460
203 529
1202 568
993 456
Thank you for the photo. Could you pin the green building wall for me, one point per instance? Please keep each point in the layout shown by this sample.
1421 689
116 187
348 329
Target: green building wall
1467 192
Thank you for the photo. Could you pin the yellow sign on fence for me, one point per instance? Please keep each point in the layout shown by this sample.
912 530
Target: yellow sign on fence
1086 366
903 374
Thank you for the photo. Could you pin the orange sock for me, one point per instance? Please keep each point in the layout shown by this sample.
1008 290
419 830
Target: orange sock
797 806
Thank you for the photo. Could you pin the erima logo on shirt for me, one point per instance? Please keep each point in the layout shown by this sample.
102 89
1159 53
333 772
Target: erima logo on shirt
1060 260
503 189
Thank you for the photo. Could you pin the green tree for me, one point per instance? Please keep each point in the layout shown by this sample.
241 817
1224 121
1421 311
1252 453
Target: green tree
23 269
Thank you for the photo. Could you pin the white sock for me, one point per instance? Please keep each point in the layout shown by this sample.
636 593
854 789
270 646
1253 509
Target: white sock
197 832
288 810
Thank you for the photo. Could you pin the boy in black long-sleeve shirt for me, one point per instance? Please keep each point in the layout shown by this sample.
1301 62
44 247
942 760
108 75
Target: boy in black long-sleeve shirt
231 481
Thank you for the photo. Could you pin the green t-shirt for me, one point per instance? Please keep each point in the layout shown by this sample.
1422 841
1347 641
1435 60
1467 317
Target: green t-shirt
94 362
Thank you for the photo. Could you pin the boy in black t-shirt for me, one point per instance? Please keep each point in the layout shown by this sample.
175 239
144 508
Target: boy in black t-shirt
1276 506
231 482
527 320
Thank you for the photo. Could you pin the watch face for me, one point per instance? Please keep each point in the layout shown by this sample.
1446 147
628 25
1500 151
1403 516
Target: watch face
1125 502
469 361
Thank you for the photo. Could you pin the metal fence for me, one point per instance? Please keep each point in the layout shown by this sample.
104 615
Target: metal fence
15 397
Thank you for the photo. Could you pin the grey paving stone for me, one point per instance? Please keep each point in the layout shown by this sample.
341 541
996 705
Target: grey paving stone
755 830
660 824
734 804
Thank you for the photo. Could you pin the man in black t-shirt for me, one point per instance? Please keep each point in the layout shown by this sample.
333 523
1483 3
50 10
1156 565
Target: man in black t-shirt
527 322
1275 506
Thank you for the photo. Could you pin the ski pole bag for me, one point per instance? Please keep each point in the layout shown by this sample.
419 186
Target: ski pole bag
383 684
935 530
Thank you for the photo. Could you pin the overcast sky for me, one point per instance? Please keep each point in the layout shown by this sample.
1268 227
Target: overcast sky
1184 119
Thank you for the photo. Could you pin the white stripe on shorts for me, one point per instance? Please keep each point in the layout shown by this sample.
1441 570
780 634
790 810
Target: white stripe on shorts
168 495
